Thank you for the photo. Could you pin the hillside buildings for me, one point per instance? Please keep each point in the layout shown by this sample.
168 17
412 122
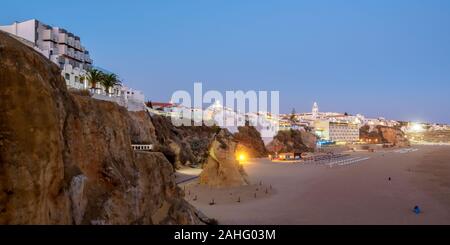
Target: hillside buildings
332 126
57 44
66 50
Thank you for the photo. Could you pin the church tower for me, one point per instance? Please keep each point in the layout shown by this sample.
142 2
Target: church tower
315 110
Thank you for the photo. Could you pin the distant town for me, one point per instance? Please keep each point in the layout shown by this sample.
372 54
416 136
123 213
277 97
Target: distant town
66 50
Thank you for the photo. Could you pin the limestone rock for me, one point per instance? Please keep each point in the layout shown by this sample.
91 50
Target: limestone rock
142 130
183 145
222 169
250 141
394 136
293 141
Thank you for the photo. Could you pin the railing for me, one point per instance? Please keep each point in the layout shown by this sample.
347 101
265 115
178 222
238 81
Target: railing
142 147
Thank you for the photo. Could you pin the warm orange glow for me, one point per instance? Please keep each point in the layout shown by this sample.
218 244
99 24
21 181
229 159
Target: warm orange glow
241 157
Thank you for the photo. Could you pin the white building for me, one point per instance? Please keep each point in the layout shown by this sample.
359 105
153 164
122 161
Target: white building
373 122
65 50
133 100
337 131
58 45
315 114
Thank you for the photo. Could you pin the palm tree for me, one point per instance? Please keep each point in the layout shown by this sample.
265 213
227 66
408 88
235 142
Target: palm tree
109 81
94 76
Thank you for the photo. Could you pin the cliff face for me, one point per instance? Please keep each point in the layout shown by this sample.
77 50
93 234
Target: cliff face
67 159
222 169
142 130
385 135
183 145
250 141
394 136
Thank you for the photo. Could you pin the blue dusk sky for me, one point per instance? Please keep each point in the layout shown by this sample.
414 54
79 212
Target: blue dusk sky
386 58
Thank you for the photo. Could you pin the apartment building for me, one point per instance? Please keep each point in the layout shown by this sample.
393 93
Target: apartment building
57 44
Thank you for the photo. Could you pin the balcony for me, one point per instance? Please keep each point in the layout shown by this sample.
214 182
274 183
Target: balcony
71 41
71 53
63 38
78 45
47 35
65 50
79 56
48 45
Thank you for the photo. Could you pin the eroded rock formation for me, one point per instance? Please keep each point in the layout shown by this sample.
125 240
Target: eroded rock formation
67 159
250 141
183 145
222 168
293 141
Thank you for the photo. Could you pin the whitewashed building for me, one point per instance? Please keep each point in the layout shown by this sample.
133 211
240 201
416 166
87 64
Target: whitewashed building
65 50
57 44
132 99
337 131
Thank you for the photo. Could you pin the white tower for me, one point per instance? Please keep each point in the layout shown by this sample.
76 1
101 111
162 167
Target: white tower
315 110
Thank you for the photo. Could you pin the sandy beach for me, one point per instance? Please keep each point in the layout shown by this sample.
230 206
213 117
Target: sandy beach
356 193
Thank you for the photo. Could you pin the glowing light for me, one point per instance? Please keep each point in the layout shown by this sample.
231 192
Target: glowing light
415 127
241 157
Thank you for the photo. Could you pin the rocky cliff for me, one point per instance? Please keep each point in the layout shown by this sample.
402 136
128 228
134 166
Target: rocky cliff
393 135
384 135
67 159
250 141
293 141
222 169
142 130
183 145
187 146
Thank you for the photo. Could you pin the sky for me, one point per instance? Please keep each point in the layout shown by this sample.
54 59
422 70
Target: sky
388 58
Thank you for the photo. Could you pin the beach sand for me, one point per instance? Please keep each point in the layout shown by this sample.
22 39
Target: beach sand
354 194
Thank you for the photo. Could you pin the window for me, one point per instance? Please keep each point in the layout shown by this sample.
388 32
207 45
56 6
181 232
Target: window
67 76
